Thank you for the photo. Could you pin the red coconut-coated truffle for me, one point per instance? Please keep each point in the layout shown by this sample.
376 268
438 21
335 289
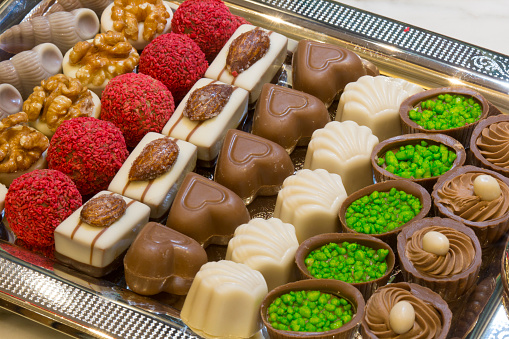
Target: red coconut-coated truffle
208 22
137 104
176 61
88 150
37 202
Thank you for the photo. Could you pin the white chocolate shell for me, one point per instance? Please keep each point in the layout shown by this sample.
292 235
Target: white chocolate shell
223 291
343 148
64 29
267 246
97 6
11 101
374 102
27 69
310 201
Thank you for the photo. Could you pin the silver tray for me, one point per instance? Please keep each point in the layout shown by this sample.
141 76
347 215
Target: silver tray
85 307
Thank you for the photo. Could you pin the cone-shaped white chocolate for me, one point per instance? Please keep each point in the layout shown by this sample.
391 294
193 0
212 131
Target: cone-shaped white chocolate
11 101
343 148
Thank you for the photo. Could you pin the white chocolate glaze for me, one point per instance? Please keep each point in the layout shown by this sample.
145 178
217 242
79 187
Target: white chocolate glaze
310 201
343 148
436 243
267 246
402 317
486 187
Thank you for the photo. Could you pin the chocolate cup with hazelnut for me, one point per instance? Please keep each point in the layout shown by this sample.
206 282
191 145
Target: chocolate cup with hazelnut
423 293
407 186
488 231
313 243
463 133
334 287
381 174
476 157
448 287
504 274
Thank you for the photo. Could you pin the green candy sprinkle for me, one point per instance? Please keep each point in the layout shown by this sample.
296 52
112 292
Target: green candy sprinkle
322 312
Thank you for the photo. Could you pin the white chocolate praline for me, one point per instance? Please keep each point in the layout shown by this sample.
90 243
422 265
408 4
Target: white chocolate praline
402 317
224 301
267 246
158 193
259 73
140 43
374 102
11 101
487 187
100 246
343 148
208 135
7 178
310 201
436 243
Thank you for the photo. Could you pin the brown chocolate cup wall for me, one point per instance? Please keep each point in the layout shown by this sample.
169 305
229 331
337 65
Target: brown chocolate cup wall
381 174
462 134
487 232
366 288
449 288
336 287
401 185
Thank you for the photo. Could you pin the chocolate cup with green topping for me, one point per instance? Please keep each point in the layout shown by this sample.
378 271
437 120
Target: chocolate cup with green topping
488 231
313 243
401 185
463 133
448 287
334 287
394 143
478 159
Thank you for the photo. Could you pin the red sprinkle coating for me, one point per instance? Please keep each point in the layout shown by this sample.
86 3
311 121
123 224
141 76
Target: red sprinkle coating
208 22
37 202
176 61
88 150
137 104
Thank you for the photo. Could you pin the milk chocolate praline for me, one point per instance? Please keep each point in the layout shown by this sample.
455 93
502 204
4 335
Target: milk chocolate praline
478 159
449 287
336 287
401 185
381 174
463 133
488 231
313 243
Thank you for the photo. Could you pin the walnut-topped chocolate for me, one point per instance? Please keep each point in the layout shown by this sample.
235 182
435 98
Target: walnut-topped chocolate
246 49
207 102
154 160
103 210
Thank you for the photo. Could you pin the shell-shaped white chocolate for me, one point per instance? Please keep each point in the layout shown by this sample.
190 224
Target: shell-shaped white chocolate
310 201
224 300
267 246
374 102
140 43
64 29
343 148
27 69
11 101
97 6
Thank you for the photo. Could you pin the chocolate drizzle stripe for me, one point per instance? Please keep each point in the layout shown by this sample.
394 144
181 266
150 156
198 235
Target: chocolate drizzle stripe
125 187
176 123
76 228
146 189
194 130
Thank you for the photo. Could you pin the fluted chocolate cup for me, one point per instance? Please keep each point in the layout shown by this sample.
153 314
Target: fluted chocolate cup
463 133
394 143
335 287
407 186
504 274
449 287
313 243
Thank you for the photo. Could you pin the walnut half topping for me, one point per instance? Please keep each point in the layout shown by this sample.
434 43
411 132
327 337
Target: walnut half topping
20 146
246 49
207 102
58 98
155 159
103 210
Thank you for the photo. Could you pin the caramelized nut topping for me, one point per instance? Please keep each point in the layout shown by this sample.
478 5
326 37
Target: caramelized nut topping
155 159
207 102
108 55
126 14
20 146
103 210
58 98
246 49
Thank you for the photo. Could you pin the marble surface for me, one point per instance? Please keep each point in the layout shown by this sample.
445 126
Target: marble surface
483 23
